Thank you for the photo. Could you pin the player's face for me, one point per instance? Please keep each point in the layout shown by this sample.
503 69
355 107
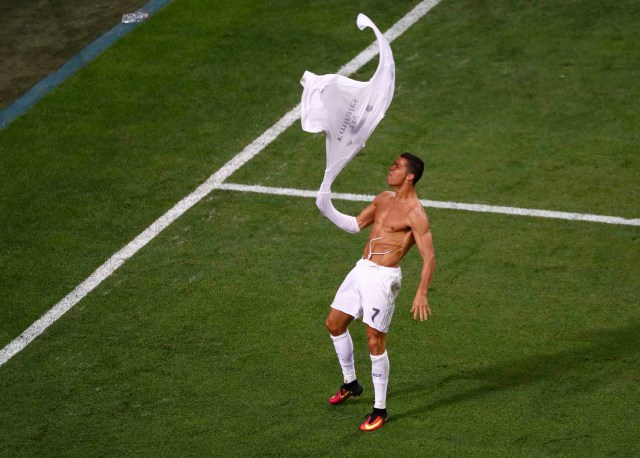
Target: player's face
397 172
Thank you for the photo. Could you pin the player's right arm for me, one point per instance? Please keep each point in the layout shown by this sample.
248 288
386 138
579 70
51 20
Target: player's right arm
368 215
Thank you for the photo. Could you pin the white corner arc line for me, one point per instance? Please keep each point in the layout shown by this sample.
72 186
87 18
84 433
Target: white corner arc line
440 204
213 182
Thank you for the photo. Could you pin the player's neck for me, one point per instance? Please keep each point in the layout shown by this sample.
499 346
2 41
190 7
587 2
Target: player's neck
406 191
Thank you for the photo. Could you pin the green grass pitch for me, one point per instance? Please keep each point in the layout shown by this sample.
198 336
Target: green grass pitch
210 341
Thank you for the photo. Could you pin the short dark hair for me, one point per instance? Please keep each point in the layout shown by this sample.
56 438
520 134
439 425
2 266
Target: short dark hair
415 166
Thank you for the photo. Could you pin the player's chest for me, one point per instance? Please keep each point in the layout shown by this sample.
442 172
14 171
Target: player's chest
392 219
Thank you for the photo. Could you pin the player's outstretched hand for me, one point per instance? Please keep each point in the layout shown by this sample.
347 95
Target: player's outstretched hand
420 308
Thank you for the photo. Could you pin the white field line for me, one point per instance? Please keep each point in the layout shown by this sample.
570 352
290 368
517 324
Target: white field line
440 204
213 182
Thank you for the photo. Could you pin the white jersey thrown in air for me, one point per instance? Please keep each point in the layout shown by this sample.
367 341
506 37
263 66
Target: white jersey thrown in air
347 111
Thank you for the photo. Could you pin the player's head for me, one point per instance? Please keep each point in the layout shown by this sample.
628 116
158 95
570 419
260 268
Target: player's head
415 166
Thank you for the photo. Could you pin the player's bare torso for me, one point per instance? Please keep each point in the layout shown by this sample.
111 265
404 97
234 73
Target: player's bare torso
391 236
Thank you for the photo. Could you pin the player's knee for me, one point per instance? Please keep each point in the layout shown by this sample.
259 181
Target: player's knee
335 327
376 343
331 326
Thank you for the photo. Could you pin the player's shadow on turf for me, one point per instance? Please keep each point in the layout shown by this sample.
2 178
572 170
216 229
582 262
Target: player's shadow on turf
604 346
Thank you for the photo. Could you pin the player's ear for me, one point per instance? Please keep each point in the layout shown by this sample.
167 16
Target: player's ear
410 176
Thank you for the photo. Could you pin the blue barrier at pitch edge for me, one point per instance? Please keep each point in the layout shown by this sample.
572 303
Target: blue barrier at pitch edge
88 54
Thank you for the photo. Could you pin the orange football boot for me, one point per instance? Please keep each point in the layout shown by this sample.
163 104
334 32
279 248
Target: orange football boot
375 420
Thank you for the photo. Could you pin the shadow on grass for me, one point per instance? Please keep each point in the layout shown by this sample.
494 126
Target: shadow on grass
603 346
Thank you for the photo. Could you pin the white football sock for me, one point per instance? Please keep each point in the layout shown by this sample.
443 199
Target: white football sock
344 350
380 375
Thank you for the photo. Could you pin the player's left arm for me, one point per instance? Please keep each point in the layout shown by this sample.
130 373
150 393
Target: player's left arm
421 229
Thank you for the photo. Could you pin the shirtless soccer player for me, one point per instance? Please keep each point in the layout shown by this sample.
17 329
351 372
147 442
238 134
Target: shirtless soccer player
398 222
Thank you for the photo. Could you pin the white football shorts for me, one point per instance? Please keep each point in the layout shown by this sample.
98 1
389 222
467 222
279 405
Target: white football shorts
369 292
